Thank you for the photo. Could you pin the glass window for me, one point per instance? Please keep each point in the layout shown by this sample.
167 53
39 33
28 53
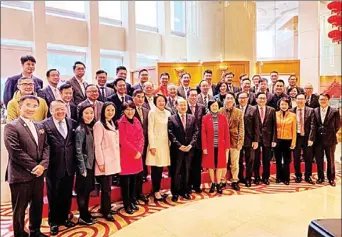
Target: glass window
109 64
146 15
178 16
109 11
66 8
146 61
21 5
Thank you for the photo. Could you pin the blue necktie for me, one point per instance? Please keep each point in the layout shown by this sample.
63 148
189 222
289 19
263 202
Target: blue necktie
61 129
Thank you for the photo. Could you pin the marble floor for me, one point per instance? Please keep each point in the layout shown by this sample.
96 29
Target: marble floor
264 215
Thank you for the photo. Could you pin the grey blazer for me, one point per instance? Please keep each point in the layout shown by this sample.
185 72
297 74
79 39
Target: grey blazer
85 151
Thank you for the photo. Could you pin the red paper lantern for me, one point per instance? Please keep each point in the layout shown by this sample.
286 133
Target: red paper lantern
335 20
335 35
335 7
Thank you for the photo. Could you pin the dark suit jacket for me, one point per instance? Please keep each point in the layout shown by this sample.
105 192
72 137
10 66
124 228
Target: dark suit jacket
118 104
309 122
275 98
129 88
251 99
169 106
180 136
23 152
201 100
62 151
146 104
269 97
236 89
11 86
181 91
73 110
47 94
78 95
251 124
144 126
136 87
268 129
313 103
108 92
99 105
199 113
326 131
213 87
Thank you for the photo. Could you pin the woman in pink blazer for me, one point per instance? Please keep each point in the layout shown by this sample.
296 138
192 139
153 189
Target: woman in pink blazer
131 148
107 155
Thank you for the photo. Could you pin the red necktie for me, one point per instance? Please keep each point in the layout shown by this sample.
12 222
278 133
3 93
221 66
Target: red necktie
262 115
301 120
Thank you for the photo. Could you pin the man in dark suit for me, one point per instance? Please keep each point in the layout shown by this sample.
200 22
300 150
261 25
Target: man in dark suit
66 96
120 96
311 98
28 158
246 87
229 78
60 132
263 82
255 80
183 134
121 72
278 94
306 132
198 111
293 84
208 76
252 133
141 114
92 92
172 98
267 140
143 77
51 92
105 91
78 84
184 88
28 64
328 124
203 97
148 90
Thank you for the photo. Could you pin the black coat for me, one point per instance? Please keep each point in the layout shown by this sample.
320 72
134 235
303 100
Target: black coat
326 131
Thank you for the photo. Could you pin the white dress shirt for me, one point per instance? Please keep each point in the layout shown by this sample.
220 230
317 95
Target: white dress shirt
64 126
81 85
32 128
56 93
323 113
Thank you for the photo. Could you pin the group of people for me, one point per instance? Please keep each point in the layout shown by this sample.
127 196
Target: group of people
112 132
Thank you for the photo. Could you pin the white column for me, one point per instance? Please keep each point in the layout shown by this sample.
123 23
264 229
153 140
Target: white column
164 28
309 43
93 51
128 22
39 39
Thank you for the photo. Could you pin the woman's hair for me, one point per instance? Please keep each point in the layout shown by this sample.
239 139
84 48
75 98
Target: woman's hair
291 89
220 84
284 99
157 96
81 120
210 102
103 117
128 104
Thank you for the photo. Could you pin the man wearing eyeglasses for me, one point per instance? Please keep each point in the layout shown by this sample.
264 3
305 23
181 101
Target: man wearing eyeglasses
92 92
25 87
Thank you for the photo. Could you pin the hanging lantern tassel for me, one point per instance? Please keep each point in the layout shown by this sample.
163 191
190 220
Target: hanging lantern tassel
335 35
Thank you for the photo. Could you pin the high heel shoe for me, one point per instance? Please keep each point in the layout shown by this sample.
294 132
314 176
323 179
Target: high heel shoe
134 206
218 188
212 188
157 199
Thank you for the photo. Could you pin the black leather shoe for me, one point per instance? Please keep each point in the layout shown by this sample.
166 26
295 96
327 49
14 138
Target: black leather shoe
134 206
266 181
286 182
128 210
309 180
174 198
113 212
278 181
54 229
37 234
198 190
108 217
236 186
144 179
219 188
319 181
298 179
212 188
257 181
143 198
69 224
223 185
89 221
242 181
189 192
332 183
186 196
248 183
24 234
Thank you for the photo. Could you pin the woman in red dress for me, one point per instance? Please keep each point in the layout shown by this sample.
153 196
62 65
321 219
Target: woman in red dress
215 144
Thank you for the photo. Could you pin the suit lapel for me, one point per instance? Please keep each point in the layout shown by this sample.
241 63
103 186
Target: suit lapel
69 128
327 115
28 131
54 129
319 115
179 121
77 85
50 92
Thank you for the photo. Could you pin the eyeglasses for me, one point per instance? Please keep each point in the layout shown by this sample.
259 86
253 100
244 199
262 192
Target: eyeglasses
26 84
93 92
261 98
242 98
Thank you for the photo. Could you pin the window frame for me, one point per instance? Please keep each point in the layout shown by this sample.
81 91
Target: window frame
179 33
110 21
116 55
25 6
65 13
146 27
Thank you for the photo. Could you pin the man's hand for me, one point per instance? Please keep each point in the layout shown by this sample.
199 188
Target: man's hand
153 151
138 155
102 168
84 174
38 170
205 152
182 148
188 148
255 145
274 144
310 143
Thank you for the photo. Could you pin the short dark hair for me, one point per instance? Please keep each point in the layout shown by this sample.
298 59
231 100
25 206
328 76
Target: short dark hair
138 91
27 97
78 62
118 79
64 87
51 70
246 79
81 119
24 59
201 82
260 93
242 75
284 99
228 73
256 75
241 92
263 79
157 96
164 74
281 81
291 89
293 75
185 73
230 93
120 68
207 71
103 116
100 72
220 84
143 70
210 102
89 85
325 95
274 72
300 94
192 89
128 104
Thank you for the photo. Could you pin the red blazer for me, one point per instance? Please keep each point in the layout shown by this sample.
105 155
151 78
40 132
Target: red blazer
131 139
208 141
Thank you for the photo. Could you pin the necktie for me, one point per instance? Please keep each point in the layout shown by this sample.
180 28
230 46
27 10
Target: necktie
193 109
103 93
206 105
262 115
230 88
323 115
183 121
68 111
122 99
140 114
61 129
173 102
33 131
301 121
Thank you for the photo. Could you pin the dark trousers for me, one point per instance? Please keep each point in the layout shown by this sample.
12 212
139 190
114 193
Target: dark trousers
249 154
330 155
195 169
145 170
128 188
266 156
156 175
21 195
105 182
302 145
283 159
84 186
180 173
139 184
59 193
